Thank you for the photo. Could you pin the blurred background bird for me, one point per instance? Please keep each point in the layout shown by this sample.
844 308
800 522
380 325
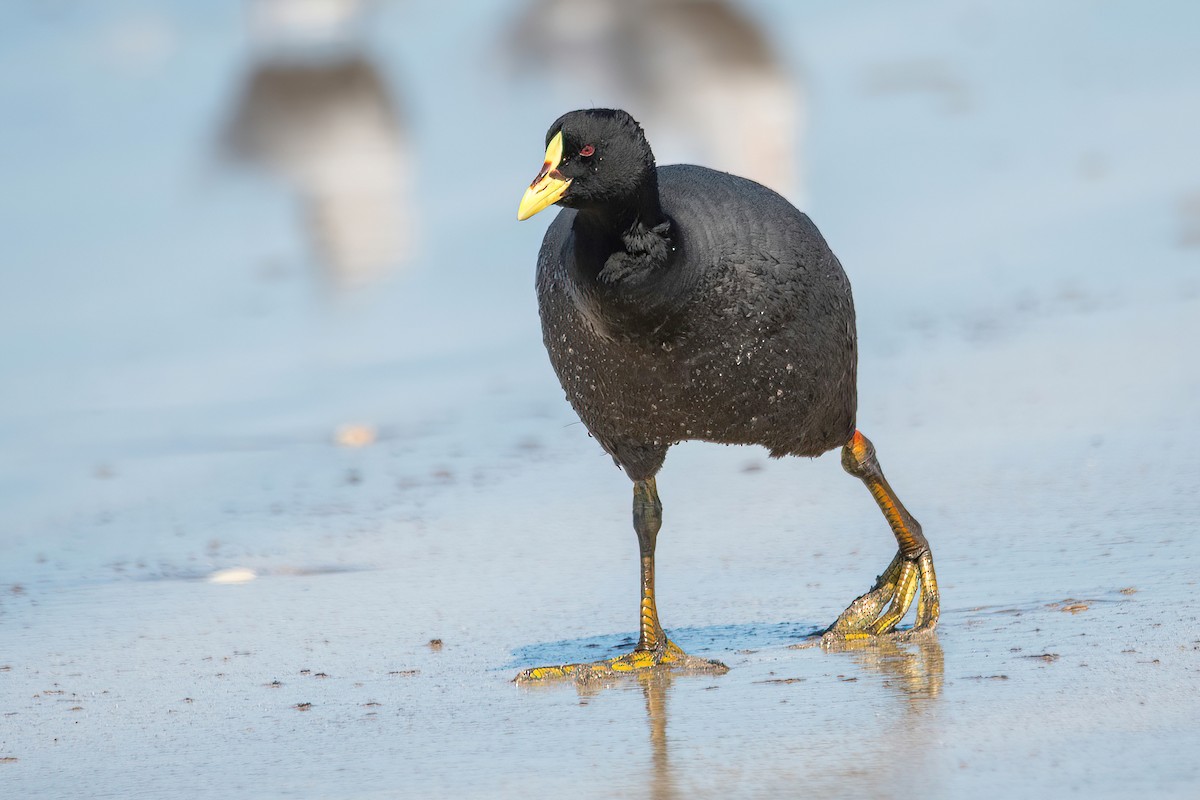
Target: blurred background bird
315 112
701 74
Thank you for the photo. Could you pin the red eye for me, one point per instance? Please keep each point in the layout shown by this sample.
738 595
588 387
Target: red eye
587 150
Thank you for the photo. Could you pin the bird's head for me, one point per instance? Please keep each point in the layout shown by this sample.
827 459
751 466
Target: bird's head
594 157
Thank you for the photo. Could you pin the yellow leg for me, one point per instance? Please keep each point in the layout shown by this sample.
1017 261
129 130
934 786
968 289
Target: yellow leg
653 648
909 576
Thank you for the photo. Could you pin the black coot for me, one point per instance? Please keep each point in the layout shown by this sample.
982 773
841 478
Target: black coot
683 303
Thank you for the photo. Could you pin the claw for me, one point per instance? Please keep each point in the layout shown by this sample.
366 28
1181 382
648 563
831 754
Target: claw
929 606
671 656
903 581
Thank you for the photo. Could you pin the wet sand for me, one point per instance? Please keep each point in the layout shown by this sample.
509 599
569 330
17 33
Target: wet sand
1015 224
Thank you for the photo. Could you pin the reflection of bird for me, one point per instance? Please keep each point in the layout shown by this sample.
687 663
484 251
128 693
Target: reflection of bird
316 113
915 669
699 73
682 303
662 779
655 685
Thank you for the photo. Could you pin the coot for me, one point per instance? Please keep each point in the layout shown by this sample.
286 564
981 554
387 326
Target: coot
682 303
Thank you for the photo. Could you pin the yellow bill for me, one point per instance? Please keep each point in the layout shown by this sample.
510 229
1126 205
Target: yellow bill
549 185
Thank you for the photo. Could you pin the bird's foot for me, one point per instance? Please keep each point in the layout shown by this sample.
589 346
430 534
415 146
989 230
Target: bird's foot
668 656
877 612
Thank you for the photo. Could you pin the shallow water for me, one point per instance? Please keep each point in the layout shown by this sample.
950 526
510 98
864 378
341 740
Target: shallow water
180 350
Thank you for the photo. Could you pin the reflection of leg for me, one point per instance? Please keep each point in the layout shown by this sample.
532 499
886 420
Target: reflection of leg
916 668
911 571
653 648
655 686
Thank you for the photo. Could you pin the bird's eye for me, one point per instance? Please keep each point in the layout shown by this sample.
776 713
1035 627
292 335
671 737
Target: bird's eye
587 150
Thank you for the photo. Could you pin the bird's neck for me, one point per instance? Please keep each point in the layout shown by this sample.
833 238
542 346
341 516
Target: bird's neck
625 242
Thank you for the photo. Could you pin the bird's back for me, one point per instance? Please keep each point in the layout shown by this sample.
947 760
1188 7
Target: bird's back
745 337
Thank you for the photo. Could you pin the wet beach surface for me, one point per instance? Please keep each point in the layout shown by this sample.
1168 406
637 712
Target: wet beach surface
213 584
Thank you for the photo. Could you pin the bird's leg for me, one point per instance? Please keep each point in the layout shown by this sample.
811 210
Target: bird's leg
909 575
653 648
647 521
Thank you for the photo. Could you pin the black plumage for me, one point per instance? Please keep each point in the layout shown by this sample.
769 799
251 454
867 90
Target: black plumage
720 314
680 303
